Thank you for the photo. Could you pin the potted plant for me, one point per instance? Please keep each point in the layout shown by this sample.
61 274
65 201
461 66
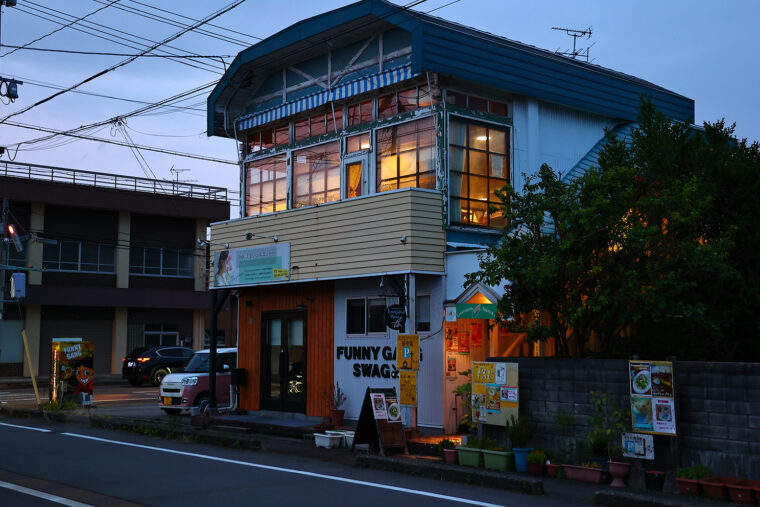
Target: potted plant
688 478
335 397
447 450
586 472
608 424
715 487
654 480
553 468
498 458
465 391
520 431
470 454
536 462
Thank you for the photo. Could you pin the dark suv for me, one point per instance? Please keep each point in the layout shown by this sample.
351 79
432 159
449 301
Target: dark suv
154 363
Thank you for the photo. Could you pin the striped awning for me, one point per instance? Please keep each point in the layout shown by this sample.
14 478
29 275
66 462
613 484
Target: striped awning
356 87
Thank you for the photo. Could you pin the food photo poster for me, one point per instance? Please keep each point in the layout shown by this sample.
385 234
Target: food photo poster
652 397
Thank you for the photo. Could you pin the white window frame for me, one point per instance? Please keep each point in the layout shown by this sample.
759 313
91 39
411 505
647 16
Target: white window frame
161 274
59 246
367 333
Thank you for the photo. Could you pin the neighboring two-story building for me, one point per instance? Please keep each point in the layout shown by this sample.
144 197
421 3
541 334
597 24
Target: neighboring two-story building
373 139
114 260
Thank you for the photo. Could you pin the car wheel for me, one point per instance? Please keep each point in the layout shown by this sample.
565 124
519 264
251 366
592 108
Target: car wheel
202 402
135 382
158 376
172 411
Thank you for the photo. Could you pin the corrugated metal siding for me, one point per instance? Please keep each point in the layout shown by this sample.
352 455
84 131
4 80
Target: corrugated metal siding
351 238
511 66
319 338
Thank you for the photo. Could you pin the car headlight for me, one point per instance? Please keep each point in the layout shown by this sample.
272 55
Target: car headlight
189 381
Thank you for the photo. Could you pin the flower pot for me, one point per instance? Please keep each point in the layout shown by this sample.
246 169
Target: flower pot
503 461
521 458
536 469
336 417
552 469
715 487
741 492
469 457
688 487
327 441
619 471
654 480
585 474
450 456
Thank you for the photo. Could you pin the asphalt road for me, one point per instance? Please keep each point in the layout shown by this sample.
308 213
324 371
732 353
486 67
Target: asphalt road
101 467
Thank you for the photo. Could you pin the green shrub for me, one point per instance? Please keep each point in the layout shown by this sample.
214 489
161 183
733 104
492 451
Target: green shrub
694 472
537 456
479 443
520 431
444 444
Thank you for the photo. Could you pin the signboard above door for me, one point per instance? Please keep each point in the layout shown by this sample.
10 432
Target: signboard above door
248 266
476 311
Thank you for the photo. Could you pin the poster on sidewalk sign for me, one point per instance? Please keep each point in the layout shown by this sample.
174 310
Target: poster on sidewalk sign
638 445
652 397
71 369
495 389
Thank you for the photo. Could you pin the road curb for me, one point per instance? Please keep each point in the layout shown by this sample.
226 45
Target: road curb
631 499
454 473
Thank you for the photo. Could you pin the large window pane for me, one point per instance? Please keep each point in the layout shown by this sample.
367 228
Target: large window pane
422 311
355 316
136 260
51 256
478 165
152 261
266 183
70 255
316 175
413 144
376 315
186 262
107 259
89 260
170 261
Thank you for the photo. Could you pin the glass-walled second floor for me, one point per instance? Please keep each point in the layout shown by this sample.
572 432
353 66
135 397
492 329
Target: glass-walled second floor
387 142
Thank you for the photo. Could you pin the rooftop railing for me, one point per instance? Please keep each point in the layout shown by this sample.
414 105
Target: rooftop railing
114 181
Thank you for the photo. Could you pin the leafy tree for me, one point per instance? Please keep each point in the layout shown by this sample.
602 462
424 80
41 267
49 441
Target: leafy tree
654 252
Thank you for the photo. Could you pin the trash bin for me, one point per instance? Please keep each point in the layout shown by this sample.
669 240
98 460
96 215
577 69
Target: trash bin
238 377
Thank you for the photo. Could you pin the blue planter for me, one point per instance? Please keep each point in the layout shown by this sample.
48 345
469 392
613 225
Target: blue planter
521 458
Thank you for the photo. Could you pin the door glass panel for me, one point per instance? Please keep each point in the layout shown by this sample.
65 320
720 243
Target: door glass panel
275 346
296 359
353 180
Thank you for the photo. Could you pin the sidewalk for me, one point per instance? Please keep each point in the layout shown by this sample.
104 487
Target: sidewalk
293 434
22 382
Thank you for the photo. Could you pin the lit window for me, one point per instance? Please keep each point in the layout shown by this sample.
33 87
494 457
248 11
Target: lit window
405 155
478 165
301 130
357 143
316 175
359 113
266 184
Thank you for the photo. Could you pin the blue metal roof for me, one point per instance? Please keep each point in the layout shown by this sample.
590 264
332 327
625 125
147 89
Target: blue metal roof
461 52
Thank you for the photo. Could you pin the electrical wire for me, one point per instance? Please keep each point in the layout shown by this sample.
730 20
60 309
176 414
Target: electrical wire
61 28
112 37
100 53
118 143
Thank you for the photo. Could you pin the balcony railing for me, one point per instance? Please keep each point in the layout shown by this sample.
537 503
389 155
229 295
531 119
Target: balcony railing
115 181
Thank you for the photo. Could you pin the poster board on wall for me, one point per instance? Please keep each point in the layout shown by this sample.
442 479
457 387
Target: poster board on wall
652 391
495 392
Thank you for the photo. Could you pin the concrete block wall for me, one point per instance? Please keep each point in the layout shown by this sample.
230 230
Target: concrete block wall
717 409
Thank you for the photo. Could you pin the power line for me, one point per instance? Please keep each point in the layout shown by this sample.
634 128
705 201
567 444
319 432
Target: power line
119 143
124 62
43 10
100 53
155 17
59 29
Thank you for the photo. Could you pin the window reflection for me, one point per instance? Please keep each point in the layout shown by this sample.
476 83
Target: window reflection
266 183
404 154
316 175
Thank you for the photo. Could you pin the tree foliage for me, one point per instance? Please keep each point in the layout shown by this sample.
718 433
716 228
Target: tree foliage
654 252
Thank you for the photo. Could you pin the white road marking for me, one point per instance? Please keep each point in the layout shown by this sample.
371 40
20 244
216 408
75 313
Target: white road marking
290 471
40 494
41 430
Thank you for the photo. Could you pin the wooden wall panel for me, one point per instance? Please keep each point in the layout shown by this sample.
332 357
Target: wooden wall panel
318 298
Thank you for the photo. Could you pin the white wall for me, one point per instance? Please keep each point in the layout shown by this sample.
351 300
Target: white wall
381 365
458 264
551 134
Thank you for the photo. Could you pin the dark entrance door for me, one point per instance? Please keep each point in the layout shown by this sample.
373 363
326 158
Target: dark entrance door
283 361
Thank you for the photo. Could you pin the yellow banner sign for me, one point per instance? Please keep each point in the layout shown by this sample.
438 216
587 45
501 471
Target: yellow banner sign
482 373
408 352
408 391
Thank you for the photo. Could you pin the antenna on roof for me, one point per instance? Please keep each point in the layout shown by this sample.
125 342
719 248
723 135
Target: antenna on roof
575 34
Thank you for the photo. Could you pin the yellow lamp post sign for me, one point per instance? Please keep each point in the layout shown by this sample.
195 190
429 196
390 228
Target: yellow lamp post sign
408 391
408 352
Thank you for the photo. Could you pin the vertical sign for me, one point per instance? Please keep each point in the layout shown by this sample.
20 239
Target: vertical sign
652 397
408 352
408 391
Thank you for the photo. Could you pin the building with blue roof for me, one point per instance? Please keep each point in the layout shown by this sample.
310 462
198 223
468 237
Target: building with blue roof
372 139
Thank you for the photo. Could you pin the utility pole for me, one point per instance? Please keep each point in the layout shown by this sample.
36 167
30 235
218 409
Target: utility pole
3 250
9 85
